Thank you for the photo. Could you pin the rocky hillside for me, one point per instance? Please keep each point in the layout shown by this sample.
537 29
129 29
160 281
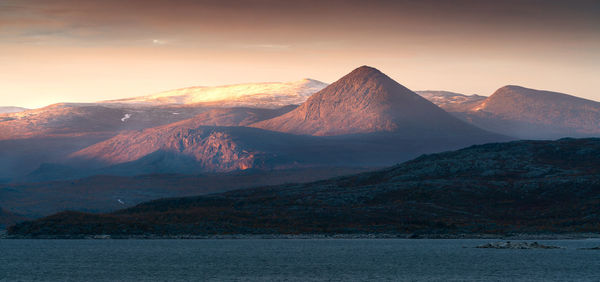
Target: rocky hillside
367 101
498 188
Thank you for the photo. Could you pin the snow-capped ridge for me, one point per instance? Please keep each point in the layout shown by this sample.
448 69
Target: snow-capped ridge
260 95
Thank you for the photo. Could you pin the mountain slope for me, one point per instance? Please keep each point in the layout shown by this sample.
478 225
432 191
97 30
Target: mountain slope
501 188
256 95
237 116
366 101
69 119
535 114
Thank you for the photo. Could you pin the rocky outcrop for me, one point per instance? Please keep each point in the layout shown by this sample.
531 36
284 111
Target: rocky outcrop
515 245
213 149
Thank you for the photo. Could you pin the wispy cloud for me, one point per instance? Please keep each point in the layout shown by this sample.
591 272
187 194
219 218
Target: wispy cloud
266 46
159 42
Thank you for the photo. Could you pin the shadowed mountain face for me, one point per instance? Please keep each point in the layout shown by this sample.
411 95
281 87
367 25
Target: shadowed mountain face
515 187
366 101
220 149
525 113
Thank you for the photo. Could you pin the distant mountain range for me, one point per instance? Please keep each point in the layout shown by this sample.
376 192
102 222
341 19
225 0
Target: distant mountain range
375 121
363 121
524 113
374 118
501 188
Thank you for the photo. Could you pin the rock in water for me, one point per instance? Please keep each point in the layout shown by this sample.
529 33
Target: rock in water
515 245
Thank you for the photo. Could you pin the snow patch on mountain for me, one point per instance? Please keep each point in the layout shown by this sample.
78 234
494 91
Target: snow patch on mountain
262 95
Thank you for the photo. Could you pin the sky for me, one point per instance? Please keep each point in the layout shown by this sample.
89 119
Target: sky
82 51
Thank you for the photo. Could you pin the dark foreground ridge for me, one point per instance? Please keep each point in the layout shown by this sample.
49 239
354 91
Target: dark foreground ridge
534 187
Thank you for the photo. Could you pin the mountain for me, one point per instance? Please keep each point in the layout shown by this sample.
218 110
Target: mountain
367 101
525 113
256 95
498 188
450 101
6 110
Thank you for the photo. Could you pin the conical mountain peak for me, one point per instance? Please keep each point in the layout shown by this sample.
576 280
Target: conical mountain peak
363 101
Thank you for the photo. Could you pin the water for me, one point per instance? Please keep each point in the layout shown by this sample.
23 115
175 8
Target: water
292 260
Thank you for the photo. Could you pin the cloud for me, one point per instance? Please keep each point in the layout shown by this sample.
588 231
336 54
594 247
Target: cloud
159 42
266 46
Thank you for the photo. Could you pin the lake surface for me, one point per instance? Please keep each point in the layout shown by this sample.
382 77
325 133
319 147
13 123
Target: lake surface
293 260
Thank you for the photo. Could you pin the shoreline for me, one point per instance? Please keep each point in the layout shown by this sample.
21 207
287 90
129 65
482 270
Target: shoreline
516 236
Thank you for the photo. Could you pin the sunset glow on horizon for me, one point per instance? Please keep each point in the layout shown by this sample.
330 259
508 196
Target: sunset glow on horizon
84 51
